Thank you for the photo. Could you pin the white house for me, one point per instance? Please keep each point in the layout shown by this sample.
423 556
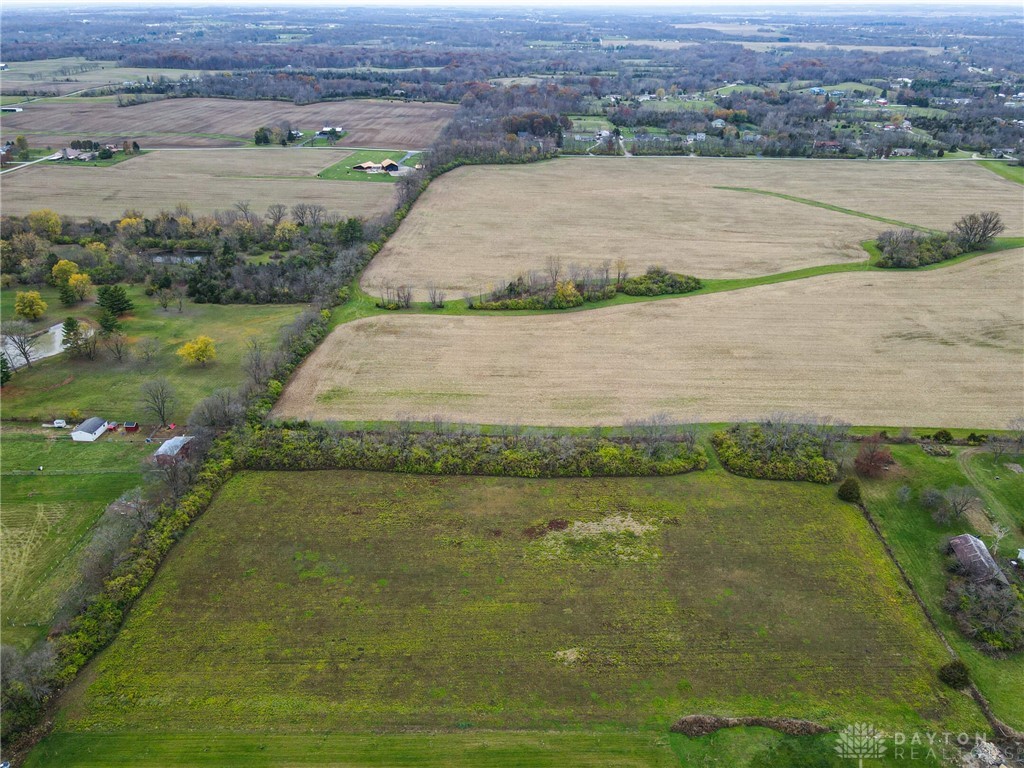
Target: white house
89 430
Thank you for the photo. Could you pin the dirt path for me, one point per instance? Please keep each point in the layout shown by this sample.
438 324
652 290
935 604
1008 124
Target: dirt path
996 509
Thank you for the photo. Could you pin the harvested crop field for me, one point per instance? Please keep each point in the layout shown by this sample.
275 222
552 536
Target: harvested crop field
227 122
477 227
205 179
942 347
360 602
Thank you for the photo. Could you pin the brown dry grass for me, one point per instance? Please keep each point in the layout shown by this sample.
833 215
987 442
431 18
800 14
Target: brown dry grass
942 347
179 122
205 179
479 226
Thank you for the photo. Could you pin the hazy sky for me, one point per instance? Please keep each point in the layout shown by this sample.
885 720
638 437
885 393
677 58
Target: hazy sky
703 5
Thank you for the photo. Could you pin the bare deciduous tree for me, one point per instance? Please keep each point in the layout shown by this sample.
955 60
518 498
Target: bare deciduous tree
19 336
959 499
147 350
116 344
976 230
256 363
275 214
158 398
553 266
435 296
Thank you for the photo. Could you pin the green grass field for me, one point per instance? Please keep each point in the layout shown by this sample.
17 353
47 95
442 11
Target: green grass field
916 541
56 386
45 516
401 605
1005 169
343 170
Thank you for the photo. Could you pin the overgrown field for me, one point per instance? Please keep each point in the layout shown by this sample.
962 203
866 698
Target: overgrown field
205 180
390 603
55 386
938 348
45 516
479 226
227 122
916 540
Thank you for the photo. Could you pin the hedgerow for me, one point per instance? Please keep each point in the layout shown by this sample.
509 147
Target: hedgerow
427 453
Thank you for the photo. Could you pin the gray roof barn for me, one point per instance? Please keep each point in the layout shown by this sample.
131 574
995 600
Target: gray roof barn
91 425
975 558
173 446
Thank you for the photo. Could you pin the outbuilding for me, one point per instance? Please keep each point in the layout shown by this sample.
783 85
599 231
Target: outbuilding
89 430
975 558
172 451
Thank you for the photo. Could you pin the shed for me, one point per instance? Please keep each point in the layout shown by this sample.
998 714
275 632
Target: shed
173 450
389 165
89 430
131 426
975 558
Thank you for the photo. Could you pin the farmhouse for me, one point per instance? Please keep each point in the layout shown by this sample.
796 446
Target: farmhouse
89 430
977 561
172 451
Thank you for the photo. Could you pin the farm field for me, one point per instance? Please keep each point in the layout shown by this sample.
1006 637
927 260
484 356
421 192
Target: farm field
480 226
45 516
207 180
228 122
397 604
58 75
940 347
55 386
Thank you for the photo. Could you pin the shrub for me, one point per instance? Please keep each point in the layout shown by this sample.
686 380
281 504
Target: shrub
943 436
872 458
849 490
955 674
988 613
565 296
658 282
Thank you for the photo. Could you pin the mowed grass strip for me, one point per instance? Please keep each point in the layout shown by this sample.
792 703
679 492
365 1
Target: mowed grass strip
45 515
357 602
939 347
55 386
476 749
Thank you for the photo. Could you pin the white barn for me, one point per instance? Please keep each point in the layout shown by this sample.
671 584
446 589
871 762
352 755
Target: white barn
89 430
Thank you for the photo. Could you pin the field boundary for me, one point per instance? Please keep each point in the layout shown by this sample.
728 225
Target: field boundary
828 207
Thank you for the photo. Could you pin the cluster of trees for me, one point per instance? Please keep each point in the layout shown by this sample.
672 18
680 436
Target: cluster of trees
555 288
783 448
991 614
907 249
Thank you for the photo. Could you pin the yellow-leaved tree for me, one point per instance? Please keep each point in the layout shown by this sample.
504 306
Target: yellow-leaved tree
29 305
63 270
200 350
81 285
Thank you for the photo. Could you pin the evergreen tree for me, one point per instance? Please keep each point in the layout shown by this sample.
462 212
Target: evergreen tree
109 323
67 295
114 299
5 370
74 337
